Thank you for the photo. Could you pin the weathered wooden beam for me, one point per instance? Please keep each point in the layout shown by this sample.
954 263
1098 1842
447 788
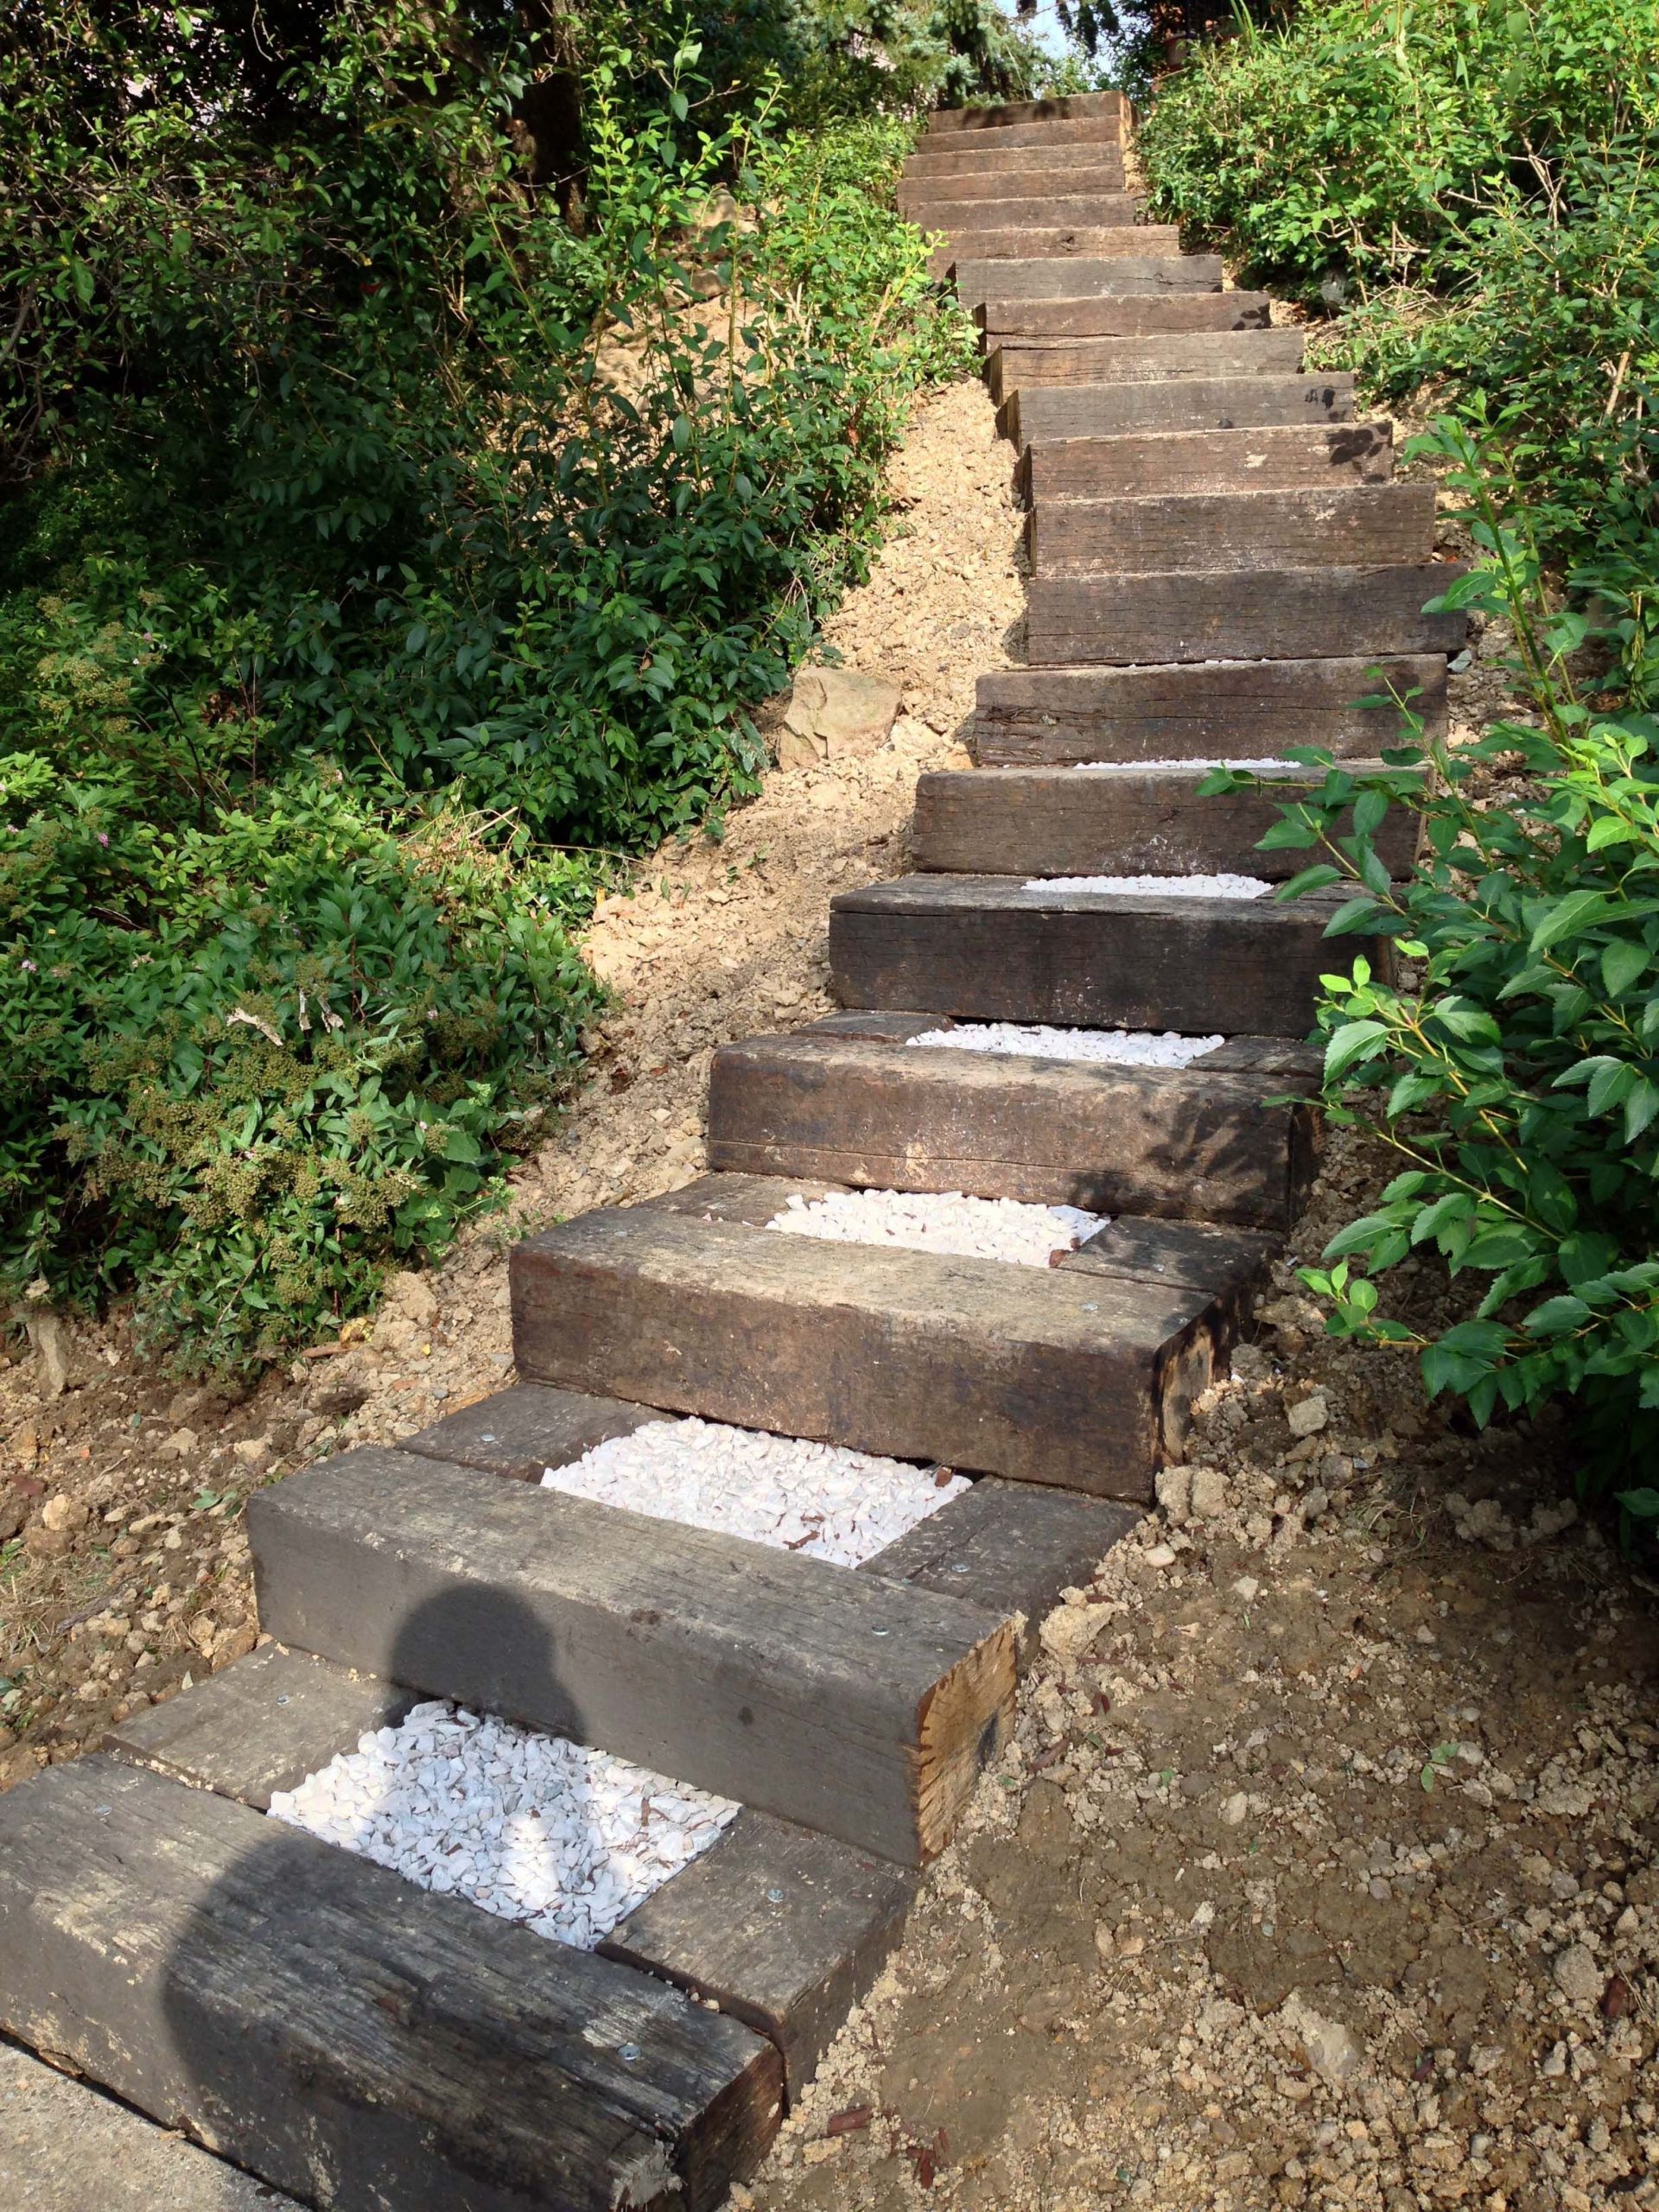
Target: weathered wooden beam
1150 271
1272 457
1047 117
1060 207
525 1431
1348 526
351 2038
1123 315
1126 820
1113 1138
1039 412
985 157
990 949
1022 367
827 1698
1060 242
1284 614
957 180
975 1363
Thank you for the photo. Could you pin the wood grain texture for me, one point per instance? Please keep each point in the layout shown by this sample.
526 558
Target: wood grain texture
1268 458
1144 359
1148 272
1230 1263
1234 614
1348 526
261 1724
1124 314
999 1125
1013 1547
985 948
1031 416
1061 242
784 1928
974 1363
827 1698
974 179
1101 110
982 156
1213 709
1042 821
1056 209
354 2040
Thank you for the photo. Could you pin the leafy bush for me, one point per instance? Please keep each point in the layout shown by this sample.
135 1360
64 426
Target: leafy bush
382 545
1515 1067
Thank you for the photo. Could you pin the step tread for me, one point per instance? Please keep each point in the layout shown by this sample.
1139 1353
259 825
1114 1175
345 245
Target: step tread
912 1354
1033 242
1147 463
875 1112
1052 277
732 1665
1025 181
1011 211
1059 107
1141 358
345 2034
1131 820
1120 315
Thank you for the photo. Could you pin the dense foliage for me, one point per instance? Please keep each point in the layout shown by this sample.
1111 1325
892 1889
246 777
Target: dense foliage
1515 1067
389 539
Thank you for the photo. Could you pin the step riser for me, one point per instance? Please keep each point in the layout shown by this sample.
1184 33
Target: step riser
1239 615
1104 242
978 179
727 1664
1129 315
345 2035
1199 532
1073 823
985 157
1049 1133
977 280
1249 711
989 1367
1134 361
1183 461
1028 418
1070 111
1211 966
1069 211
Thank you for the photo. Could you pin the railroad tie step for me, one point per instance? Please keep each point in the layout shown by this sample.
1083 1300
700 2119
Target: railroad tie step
980 278
1031 415
1058 242
1109 108
349 2037
880 1112
971 174
981 1364
1144 464
1345 525
1060 207
1142 358
1055 322
981 158
1293 612
836 1700
994 948
1125 818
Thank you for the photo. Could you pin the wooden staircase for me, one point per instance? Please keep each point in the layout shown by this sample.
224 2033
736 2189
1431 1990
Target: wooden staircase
1218 555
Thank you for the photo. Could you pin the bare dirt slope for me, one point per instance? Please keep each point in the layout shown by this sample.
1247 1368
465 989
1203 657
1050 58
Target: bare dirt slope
1323 1873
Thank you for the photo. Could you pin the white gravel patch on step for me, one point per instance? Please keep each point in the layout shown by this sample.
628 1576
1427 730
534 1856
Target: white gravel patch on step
565 1840
1136 1048
821 1500
942 1221
1176 886
1138 767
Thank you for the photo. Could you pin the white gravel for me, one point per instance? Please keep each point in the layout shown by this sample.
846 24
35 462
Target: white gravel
1177 886
942 1221
1138 767
568 1840
818 1499
1137 1048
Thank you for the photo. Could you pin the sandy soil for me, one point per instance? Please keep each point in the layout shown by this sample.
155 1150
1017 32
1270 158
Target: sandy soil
1323 1870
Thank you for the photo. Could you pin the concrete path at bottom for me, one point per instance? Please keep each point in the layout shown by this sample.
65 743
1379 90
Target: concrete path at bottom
66 2148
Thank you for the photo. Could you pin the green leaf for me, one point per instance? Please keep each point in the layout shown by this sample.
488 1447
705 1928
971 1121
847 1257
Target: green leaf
1556 1316
1621 962
1349 1043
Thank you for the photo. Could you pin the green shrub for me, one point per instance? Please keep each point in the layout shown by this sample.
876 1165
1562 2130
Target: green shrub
1515 1069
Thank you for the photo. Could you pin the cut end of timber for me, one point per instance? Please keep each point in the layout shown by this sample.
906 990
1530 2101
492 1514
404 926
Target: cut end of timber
962 1724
